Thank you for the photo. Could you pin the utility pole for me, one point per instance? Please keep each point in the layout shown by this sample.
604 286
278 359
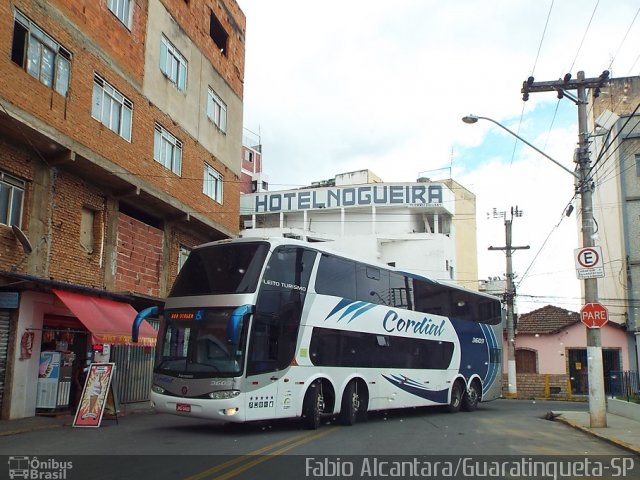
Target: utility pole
509 296
597 401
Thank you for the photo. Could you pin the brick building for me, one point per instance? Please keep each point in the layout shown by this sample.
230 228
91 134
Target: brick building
120 149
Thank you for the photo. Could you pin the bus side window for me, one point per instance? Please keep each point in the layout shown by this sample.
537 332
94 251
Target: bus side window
337 277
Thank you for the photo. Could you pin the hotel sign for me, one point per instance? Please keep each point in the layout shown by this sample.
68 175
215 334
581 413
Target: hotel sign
412 195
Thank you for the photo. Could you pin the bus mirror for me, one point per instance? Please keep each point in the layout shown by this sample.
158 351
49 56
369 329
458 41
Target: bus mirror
135 328
234 325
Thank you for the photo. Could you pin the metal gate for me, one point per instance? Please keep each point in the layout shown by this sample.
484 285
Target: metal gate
134 372
4 349
578 370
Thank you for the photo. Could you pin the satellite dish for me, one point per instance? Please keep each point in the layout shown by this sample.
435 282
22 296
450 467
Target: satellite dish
22 238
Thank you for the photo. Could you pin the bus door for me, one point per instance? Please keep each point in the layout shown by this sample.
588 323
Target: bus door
274 330
262 372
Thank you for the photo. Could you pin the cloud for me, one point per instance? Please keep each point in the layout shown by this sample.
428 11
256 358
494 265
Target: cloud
336 86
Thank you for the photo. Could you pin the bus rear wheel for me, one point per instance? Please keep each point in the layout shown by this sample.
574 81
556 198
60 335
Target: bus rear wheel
351 404
471 397
313 406
456 398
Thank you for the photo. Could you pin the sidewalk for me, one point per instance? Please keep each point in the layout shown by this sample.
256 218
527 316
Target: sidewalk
621 431
63 419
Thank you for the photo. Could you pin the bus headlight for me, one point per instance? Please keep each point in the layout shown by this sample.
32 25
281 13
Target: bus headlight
224 394
157 389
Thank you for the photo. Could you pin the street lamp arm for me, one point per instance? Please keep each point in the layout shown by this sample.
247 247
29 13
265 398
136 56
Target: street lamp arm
475 118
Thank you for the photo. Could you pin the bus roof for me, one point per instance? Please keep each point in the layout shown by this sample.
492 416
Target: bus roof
323 248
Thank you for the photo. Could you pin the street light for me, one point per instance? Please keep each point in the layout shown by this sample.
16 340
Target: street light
474 118
597 403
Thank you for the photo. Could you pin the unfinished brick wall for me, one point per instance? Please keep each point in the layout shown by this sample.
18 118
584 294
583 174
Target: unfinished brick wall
17 162
71 115
139 257
68 260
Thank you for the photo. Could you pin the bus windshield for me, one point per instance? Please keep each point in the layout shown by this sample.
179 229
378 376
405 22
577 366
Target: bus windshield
201 344
221 269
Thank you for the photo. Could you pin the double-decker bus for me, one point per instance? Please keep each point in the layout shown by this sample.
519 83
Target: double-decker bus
257 329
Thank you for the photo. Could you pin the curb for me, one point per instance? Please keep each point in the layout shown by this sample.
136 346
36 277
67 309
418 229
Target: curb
613 441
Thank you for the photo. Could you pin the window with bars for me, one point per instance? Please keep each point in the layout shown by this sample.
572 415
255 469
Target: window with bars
111 108
173 64
40 55
11 199
123 10
217 110
167 149
212 183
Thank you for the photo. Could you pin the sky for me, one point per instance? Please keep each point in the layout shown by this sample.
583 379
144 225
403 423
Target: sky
335 86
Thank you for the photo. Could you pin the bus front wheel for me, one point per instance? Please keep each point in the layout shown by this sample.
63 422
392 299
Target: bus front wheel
456 398
351 404
313 406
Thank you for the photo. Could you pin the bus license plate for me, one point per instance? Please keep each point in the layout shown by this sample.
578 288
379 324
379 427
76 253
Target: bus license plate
183 407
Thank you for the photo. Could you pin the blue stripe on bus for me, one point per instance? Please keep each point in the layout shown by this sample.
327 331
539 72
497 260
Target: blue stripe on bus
354 308
341 304
415 388
493 345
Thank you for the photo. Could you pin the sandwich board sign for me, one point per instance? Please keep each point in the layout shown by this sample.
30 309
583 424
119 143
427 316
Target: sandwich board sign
95 395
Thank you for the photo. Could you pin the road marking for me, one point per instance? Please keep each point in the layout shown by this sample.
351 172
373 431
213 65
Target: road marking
289 443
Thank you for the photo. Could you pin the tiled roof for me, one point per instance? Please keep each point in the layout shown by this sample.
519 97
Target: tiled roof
548 319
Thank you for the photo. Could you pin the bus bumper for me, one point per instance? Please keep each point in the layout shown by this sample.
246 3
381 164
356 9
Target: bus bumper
228 410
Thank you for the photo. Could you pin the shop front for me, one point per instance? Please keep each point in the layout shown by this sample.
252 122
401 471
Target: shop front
58 334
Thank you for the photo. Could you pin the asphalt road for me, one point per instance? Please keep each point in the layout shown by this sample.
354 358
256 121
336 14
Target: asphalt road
165 446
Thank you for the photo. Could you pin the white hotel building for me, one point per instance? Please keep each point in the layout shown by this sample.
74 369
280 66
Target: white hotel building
428 227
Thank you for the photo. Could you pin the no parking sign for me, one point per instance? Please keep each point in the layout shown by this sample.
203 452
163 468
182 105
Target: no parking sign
589 263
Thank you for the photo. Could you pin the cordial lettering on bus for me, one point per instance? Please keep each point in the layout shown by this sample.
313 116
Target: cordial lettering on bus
393 323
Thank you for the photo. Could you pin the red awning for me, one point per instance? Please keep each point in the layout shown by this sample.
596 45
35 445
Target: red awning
107 320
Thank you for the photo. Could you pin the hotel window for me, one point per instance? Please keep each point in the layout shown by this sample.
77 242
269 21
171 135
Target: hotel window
173 64
40 55
122 9
167 149
217 110
212 183
111 108
11 199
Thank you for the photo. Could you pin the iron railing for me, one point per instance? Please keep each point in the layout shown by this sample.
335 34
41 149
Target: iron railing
622 383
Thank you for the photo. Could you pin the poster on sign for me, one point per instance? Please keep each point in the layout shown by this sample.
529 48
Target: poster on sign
94 395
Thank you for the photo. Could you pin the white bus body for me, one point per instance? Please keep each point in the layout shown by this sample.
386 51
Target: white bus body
294 330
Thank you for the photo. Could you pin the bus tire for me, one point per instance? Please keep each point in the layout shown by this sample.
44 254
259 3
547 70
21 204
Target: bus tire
350 408
313 406
471 397
456 398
